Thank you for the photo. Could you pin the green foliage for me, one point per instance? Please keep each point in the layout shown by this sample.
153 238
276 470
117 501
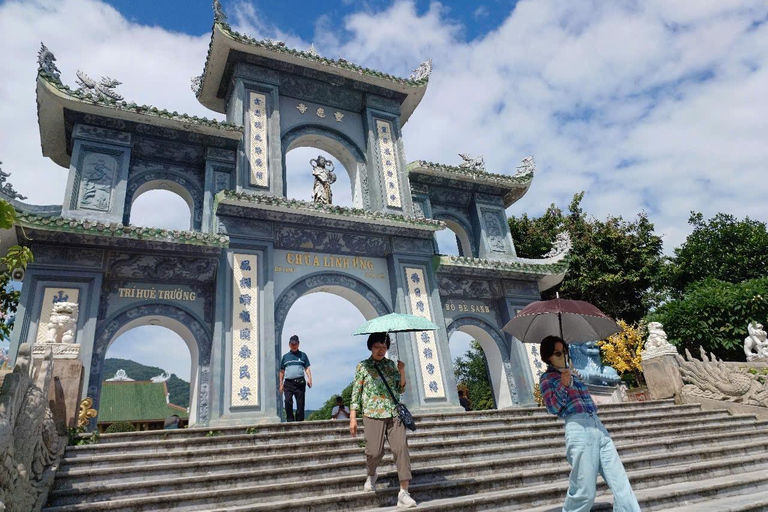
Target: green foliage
74 439
252 430
361 443
177 389
722 248
614 264
324 413
471 371
120 426
213 433
714 314
16 257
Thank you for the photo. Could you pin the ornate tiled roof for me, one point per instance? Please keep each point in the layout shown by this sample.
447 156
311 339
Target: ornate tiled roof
224 38
461 173
111 229
339 211
516 266
146 110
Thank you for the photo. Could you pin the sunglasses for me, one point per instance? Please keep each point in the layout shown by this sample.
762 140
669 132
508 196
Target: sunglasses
557 353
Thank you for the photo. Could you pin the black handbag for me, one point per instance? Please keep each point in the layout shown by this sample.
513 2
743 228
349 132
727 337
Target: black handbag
402 411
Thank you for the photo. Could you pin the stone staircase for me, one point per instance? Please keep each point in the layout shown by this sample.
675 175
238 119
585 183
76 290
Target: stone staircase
679 458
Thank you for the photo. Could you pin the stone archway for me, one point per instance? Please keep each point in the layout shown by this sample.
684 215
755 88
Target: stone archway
338 145
195 335
460 226
497 355
188 185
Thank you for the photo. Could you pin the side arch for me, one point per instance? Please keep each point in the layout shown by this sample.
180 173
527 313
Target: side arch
176 180
341 147
496 354
461 227
196 336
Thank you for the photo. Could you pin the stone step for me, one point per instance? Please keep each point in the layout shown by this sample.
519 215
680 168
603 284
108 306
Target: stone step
347 448
334 493
69 473
749 487
529 427
98 490
624 409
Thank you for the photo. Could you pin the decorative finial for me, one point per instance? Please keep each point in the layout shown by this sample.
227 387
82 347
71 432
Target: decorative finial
312 50
561 246
7 188
104 89
218 13
423 71
526 167
196 83
46 63
472 163
274 42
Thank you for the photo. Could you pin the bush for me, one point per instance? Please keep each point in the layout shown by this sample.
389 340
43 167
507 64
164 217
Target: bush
120 426
714 314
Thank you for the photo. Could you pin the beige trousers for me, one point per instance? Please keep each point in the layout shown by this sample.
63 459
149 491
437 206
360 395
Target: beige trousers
376 430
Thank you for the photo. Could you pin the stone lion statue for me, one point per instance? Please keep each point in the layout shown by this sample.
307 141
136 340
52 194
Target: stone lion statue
62 323
756 344
657 343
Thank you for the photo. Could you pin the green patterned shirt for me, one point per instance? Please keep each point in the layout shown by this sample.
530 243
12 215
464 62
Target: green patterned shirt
369 394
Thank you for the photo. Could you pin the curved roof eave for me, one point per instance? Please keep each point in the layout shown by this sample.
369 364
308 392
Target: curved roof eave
222 42
51 102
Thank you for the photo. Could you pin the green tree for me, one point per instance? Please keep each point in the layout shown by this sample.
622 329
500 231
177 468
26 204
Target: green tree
714 314
722 248
16 257
614 264
324 413
471 370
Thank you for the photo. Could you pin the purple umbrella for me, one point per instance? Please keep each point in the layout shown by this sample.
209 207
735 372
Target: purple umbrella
575 321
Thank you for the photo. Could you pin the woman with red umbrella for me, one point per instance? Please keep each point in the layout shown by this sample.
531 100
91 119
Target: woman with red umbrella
588 445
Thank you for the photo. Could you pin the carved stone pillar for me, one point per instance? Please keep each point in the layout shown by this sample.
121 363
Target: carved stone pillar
98 174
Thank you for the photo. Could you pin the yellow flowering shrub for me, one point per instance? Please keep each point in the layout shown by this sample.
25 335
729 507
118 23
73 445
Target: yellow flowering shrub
622 350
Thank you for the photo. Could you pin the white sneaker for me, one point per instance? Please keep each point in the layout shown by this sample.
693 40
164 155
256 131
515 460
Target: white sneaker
370 482
404 500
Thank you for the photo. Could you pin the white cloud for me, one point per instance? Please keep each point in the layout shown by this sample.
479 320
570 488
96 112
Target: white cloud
656 105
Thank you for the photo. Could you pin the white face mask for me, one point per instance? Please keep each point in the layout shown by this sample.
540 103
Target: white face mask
557 361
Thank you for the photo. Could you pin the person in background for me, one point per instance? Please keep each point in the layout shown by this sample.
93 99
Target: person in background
464 401
588 445
293 366
340 412
371 398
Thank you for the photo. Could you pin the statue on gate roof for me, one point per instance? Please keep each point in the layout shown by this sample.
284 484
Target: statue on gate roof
322 170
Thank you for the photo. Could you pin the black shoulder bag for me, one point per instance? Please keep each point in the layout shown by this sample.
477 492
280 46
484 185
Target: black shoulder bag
402 411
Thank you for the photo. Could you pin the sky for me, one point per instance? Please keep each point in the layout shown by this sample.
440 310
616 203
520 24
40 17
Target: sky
652 106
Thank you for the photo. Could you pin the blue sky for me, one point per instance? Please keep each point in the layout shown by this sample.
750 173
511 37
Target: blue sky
657 105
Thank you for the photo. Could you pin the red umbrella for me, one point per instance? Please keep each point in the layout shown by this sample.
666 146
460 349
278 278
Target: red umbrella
575 321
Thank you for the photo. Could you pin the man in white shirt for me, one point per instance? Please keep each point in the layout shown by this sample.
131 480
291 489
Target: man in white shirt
340 412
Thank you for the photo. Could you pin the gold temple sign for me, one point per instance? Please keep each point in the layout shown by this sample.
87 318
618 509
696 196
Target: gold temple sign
466 308
151 293
317 260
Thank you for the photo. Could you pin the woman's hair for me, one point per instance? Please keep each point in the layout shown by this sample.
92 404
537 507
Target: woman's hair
378 337
547 347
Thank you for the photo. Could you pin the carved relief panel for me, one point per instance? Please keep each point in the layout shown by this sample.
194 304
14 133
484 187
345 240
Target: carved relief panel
97 181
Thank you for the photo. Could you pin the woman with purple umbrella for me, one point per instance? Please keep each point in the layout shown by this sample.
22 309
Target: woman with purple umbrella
588 445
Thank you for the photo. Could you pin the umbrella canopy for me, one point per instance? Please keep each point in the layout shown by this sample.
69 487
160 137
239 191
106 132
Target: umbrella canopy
575 321
396 322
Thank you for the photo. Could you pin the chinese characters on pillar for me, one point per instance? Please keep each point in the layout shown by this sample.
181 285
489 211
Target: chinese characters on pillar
429 362
245 331
388 163
257 156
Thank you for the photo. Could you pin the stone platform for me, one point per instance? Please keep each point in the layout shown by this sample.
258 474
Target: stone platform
678 457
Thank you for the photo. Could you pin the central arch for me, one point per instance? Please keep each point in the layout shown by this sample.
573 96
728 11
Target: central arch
496 353
196 336
338 145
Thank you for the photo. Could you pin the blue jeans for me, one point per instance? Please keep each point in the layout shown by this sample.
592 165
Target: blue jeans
590 450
